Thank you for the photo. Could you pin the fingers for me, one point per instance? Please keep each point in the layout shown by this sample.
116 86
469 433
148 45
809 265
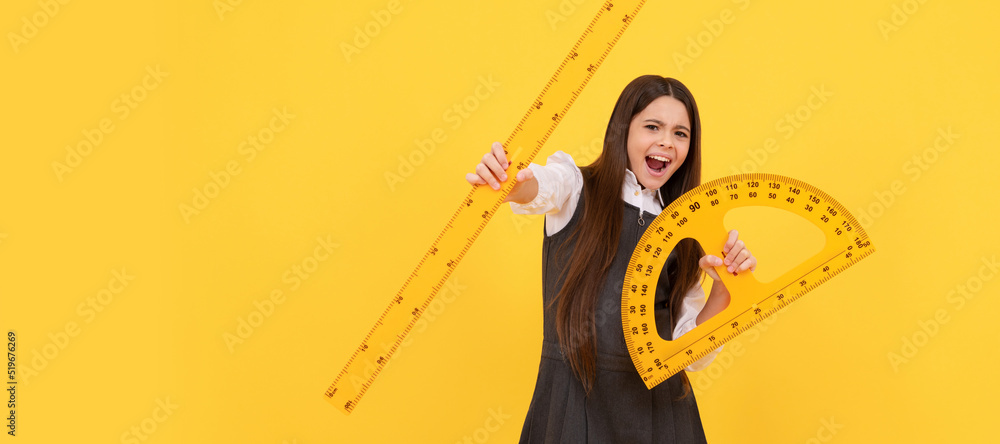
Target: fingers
737 253
738 257
494 165
708 263
733 234
750 263
525 175
474 179
741 261
491 170
496 160
500 155
487 176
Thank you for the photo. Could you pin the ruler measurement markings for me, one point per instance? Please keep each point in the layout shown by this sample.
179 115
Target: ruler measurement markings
547 127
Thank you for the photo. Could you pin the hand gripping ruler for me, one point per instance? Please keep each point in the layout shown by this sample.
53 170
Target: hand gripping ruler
479 206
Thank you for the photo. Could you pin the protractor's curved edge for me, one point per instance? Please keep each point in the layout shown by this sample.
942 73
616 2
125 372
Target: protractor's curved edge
861 239
625 321
656 375
861 233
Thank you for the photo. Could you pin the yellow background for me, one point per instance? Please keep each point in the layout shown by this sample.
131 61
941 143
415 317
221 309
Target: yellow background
162 339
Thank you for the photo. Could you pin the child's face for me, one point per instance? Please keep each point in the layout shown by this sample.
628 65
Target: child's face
663 130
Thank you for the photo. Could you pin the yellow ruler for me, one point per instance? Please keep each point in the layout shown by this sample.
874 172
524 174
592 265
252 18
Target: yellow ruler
698 214
480 205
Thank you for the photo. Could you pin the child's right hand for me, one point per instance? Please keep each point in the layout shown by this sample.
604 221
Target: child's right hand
491 170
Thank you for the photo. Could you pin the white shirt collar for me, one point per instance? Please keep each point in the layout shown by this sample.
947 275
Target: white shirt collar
631 186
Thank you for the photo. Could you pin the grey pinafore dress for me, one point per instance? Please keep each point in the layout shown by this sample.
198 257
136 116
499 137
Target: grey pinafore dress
620 409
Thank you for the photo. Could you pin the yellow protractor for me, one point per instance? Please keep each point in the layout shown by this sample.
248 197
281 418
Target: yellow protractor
476 210
698 214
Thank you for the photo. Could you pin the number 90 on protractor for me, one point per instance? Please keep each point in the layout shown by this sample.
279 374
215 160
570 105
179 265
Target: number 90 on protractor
699 214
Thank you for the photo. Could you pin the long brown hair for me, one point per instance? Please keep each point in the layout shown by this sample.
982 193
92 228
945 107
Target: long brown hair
598 232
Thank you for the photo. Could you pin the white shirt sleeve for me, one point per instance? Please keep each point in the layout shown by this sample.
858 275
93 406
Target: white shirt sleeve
559 185
694 302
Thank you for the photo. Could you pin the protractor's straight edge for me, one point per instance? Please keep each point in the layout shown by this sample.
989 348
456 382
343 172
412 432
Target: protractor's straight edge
726 338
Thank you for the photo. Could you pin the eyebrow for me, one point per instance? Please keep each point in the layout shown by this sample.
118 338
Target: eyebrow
662 124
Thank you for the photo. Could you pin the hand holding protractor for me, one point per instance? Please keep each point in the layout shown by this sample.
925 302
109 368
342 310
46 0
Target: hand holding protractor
698 214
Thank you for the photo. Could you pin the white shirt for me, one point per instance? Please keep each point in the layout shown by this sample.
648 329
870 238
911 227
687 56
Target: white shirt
560 183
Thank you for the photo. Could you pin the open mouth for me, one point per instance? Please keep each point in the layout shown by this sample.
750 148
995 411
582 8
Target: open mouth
657 165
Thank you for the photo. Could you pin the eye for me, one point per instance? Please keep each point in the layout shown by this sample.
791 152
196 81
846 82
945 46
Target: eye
681 134
652 127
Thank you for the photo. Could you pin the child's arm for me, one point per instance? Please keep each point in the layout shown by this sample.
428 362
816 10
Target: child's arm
492 171
737 258
525 189
718 300
553 189
559 185
691 307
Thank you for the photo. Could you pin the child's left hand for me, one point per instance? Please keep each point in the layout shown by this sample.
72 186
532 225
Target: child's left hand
737 258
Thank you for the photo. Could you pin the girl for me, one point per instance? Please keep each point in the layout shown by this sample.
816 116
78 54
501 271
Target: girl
587 388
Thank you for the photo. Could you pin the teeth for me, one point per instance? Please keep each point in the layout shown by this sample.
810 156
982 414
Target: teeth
661 158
